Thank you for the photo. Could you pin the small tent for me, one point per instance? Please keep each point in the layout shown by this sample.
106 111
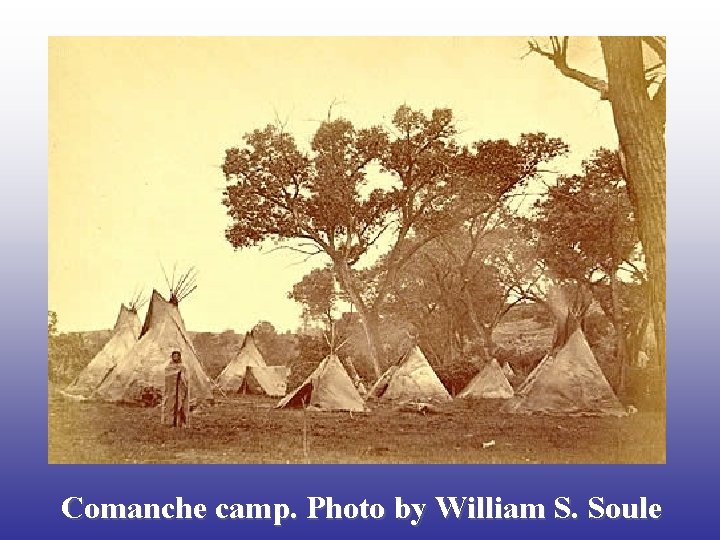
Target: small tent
413 379
508 370
248 373
265 380
490 383
567 382
141 372
123 337
329 387
231 378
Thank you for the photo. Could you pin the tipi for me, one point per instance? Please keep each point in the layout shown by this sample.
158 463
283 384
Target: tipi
141 371
569 379
412 379
248 373
265 380
490 383
329 387
124 336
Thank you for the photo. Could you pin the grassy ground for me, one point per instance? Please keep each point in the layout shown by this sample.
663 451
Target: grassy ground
250 430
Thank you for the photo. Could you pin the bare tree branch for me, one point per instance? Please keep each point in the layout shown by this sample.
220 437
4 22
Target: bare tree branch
558 56
658 45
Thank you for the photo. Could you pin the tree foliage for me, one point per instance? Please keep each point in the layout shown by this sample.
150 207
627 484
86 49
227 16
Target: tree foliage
68 353
52 324
407 184
636 87
458 288
587 223
276 348
317 294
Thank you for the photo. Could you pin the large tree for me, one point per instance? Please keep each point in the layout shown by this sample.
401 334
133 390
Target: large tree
397 188
636 89
588 234
466 281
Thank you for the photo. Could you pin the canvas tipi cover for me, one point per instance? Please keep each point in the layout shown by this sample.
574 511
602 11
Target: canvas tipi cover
143 367
490 383
231 378
265 380
412 379
567 382
124 335
329 387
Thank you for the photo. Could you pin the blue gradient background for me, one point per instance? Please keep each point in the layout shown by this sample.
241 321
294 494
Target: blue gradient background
31 491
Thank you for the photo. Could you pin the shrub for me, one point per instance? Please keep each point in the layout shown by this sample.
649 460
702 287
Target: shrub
68 354
523 358
456 375
311 351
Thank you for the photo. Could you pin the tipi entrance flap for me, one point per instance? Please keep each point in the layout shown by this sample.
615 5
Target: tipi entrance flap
329 388
378 389
268 380
231 378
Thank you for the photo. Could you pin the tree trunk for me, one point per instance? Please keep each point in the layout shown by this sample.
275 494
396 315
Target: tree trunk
489 345
637 339
350 365
371 325
369 318
450 331
569 305
620 342
480 329
641 133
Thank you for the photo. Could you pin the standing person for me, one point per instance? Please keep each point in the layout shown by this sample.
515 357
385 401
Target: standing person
176 401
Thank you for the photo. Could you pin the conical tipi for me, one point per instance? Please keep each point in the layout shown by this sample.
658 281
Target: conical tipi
569 380
142 369
231 378
412 379
248 373
265 380
329 387
490 383
124 336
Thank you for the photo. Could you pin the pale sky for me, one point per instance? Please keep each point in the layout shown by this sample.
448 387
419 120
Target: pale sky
138 128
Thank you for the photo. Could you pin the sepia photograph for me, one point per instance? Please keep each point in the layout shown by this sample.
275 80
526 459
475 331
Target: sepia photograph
357 250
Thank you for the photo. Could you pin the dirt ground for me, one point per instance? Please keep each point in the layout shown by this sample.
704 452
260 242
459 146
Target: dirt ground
247 429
